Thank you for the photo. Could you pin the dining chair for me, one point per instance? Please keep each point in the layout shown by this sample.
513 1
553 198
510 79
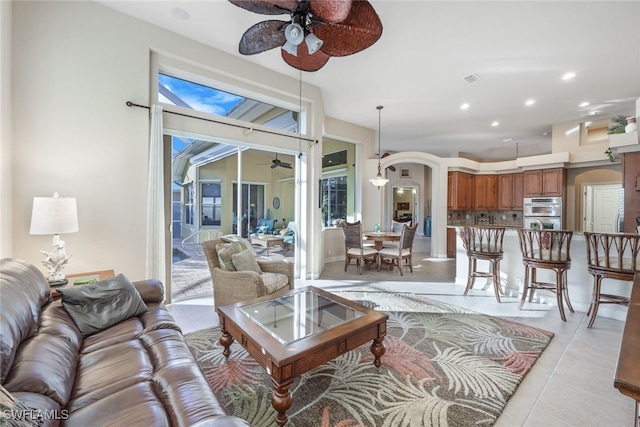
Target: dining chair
404 250
396 227
547 249
484 243
354 247
610 256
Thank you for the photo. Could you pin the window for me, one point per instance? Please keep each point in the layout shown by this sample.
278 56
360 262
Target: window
198 97
334 199
210 203
334 159
188 203
253 206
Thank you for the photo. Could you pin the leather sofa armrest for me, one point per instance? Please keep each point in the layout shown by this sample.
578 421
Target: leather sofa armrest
150 290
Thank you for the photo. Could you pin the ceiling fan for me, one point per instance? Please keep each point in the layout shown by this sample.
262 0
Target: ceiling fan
317 30
391 168
279 163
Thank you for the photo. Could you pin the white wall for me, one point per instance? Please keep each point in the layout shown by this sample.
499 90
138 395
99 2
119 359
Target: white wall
75 66
6 169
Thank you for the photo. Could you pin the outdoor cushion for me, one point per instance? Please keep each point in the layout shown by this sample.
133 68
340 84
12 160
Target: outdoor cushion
274 281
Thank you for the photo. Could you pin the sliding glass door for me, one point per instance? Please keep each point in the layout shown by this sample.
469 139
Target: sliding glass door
253 207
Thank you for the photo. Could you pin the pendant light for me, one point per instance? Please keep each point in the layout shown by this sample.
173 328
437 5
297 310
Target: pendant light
379 181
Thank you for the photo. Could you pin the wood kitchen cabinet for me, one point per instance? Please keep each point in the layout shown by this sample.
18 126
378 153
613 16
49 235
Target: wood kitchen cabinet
486 192
451 242
460 191
544 182
510 192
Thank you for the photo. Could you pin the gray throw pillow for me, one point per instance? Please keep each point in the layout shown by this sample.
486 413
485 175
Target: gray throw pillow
96 306
245 261
225 251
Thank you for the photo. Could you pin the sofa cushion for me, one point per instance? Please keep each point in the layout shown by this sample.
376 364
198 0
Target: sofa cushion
273 282
14 412
245 261
98 305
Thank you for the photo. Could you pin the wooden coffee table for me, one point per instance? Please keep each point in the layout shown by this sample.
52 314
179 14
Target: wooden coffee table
299 331
267 241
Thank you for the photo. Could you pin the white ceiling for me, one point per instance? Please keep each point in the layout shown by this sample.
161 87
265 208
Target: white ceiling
519 49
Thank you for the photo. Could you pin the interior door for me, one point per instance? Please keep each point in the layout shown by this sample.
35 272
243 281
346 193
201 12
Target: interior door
602 208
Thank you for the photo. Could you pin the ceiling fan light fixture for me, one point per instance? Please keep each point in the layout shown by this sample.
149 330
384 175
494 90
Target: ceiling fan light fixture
290 48
294 33
313 43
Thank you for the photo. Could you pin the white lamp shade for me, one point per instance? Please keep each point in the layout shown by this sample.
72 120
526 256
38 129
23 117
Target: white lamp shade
54 215
313 43
290 48
294 33
379 181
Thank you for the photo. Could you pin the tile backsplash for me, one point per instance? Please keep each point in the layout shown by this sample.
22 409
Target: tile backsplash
506 218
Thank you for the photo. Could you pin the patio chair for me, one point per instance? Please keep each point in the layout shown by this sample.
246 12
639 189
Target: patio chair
404 250
354 247
271 277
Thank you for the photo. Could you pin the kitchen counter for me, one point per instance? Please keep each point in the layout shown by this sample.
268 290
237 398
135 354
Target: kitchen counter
580 281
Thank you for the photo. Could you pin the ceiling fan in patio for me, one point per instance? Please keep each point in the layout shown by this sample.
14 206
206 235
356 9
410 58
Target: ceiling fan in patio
275 163
317 30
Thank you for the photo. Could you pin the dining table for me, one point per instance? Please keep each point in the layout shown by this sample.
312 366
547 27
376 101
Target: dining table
379 237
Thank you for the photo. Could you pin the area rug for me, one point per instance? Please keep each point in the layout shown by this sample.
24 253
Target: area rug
443 366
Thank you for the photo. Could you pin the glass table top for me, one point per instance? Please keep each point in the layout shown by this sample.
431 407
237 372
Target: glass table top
299 315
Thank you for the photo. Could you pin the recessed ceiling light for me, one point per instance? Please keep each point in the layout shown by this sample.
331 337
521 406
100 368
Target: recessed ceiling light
529 102
464 106
584 104
180 13
568 76
507 140
496 123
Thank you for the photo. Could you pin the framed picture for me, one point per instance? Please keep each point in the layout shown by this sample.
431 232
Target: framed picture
404 173
403 206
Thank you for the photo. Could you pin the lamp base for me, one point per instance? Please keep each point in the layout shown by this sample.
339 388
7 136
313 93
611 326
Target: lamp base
58 283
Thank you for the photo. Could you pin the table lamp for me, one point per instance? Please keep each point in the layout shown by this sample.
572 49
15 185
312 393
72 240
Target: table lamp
54 215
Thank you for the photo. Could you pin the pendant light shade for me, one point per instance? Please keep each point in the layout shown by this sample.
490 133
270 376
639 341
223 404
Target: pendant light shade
379 181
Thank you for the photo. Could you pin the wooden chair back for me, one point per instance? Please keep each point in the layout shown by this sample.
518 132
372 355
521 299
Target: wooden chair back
486 240
613 255
545 246
407 235
352 235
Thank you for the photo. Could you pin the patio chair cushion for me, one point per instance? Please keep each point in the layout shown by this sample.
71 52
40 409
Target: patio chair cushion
245 261
273 282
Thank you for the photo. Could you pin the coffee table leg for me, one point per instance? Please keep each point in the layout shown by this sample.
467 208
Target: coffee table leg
281 400
226 340
378 350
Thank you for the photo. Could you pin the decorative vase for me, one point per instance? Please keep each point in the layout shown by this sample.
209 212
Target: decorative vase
631 125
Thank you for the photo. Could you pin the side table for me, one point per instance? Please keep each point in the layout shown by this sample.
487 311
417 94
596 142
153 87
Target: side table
81 279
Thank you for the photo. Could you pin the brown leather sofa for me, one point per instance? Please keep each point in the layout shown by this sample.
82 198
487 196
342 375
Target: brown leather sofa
138 372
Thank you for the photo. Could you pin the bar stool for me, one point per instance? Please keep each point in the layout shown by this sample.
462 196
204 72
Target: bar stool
484 243
548 249
610 256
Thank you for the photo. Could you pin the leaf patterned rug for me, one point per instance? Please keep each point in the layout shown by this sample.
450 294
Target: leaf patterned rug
444 366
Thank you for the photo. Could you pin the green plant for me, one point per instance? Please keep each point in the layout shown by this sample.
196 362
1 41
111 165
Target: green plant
617 124
609 153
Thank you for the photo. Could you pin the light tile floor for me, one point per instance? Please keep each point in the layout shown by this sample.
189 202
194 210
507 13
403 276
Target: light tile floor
570 385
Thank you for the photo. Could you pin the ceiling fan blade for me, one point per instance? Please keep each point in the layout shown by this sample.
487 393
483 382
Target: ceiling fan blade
267 7
262 36
285 165
330 10
304 61
360 30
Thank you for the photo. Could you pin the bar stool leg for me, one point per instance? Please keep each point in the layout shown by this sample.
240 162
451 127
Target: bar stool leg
471 278
559 291
525 287
495 273
595 301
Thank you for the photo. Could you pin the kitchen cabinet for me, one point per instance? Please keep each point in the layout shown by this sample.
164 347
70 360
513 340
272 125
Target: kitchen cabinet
451 242
544 182
510 191
486 192
460 191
